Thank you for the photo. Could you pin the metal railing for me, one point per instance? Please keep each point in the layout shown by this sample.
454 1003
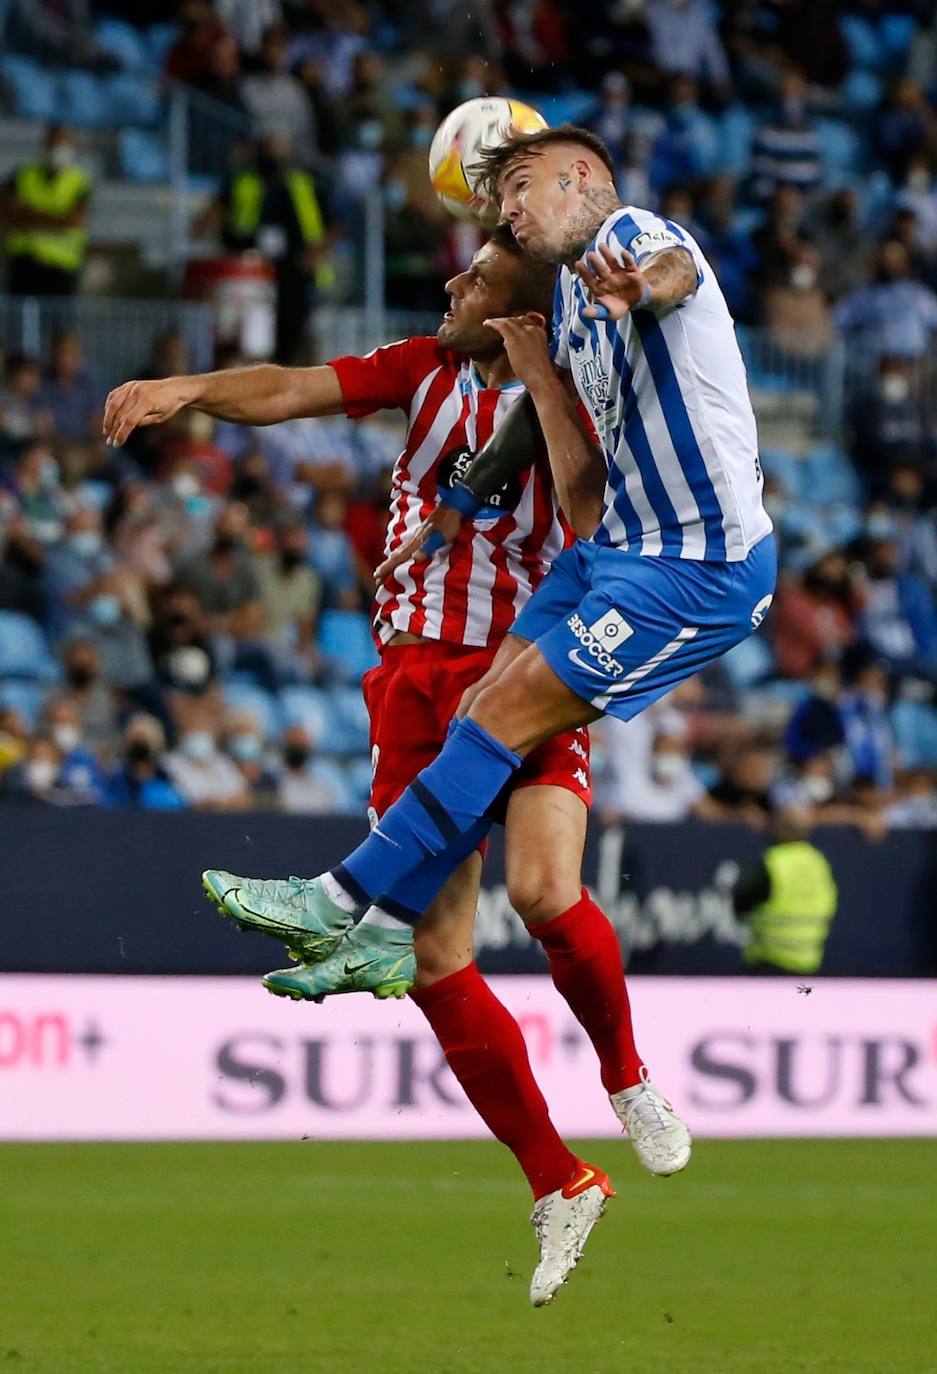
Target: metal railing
116 335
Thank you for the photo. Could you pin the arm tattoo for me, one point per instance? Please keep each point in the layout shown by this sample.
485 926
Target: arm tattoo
671 276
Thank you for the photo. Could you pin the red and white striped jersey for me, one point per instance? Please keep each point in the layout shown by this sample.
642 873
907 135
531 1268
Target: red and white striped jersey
472 594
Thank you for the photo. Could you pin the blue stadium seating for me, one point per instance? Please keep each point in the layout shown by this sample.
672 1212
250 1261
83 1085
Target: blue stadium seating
265 708
24 652
749 662
349 732
124 43
311 708
132 99
143 157
84 101
35 90
736 131
26 696
345 643
915 727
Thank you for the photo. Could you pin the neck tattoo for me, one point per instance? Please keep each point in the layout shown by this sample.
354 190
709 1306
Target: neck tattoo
598 203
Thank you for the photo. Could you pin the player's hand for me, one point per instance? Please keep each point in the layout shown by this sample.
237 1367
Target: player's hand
525 342
616 287
135 404
444 521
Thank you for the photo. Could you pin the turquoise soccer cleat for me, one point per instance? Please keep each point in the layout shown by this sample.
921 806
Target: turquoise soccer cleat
369 959
295 910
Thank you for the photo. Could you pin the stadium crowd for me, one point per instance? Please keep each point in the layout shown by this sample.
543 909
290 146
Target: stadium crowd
184 622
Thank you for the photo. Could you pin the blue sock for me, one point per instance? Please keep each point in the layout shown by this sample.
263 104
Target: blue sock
439 810
409 898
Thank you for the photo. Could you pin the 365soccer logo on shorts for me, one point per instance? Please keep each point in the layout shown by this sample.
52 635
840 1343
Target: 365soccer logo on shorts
599 640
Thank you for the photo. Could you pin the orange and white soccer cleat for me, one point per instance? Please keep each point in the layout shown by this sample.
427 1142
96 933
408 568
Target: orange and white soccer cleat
563 1220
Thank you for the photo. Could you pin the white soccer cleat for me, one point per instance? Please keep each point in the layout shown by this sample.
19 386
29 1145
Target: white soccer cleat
660 1139
563 1221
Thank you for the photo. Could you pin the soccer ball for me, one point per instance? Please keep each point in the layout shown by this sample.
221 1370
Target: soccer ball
477 124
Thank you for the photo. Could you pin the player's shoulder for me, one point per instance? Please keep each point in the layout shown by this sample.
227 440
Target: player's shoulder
642 231
424 354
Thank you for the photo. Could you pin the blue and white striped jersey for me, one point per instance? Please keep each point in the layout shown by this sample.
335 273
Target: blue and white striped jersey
669 398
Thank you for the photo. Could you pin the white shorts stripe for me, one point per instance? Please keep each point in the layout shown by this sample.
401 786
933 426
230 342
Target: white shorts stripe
619 688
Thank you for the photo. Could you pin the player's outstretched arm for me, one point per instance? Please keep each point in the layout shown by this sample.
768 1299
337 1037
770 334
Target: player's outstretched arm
618 285
262 395
512 447
579 470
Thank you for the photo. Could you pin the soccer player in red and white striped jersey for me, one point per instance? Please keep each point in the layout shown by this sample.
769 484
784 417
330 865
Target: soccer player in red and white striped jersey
439 623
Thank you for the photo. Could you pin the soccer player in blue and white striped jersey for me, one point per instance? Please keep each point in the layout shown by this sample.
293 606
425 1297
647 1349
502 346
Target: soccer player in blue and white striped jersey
681 567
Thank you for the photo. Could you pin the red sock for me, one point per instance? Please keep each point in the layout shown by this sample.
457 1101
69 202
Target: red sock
585 961
485 1050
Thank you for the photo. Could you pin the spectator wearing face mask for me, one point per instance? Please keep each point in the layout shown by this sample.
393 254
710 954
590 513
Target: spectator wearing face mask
79 772
291 593
205 776
225 583
303 787
80 558
899 617
47 774
647 775
140 781
94 699
115 617
894 314
886 423
244 742
45 212
814 619
787 149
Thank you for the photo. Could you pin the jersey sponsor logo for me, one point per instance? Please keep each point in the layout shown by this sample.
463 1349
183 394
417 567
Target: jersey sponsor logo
598 639
654 241
455 464
760 611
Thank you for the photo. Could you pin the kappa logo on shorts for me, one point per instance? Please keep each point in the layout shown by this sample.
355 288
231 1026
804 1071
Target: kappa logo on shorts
580 777
598 639
761 610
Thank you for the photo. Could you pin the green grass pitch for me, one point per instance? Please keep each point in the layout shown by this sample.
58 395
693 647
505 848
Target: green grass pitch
782 1257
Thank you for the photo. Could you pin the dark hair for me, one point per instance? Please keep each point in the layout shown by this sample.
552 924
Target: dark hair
494 162
536 281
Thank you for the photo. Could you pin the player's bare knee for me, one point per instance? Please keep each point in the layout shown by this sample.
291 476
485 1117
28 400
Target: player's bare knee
540 894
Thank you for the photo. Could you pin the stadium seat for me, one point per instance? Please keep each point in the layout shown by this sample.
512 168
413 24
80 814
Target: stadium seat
24 695
35 90
24 652
124 43
915 726
84 101
839 145
896 32
310 708
159 39
736 130
862 90
749 662
830 477
862 41
345 642
358 773
133 100
350 733
337 778
143 157
265 708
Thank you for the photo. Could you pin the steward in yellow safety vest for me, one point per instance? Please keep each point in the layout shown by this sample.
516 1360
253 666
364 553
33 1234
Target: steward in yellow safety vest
789 899
45 215
273 207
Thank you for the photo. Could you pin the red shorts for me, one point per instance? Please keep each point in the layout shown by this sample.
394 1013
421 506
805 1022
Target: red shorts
411 698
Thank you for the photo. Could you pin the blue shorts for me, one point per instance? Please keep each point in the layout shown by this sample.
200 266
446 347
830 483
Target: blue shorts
621 630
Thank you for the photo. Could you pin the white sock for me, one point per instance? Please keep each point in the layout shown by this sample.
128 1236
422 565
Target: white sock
337 894
377 916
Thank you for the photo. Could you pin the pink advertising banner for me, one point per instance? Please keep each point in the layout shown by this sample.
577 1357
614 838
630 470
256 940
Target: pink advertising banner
136 1058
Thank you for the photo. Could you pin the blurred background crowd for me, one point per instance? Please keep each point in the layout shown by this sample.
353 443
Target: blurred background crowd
184 622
